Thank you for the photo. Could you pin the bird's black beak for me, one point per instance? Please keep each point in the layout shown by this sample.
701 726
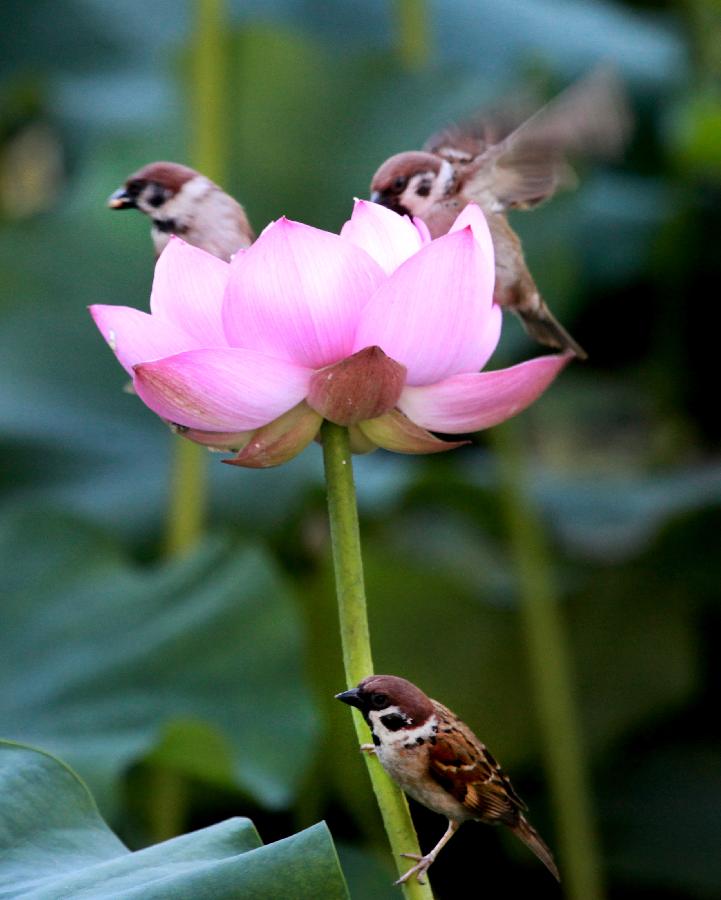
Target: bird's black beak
352 698
390 201
121 199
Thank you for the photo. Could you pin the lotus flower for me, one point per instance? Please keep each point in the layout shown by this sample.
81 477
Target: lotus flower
378 329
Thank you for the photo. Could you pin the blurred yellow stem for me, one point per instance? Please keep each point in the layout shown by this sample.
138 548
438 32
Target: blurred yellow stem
413 33
189 467
209 133
206 90
355 638
187 504
167 810
550 670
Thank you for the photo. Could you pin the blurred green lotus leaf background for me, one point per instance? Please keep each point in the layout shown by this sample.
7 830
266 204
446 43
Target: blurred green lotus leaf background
213 675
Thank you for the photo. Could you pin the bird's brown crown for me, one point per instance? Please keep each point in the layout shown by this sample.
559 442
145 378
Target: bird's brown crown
168 174
394 174
397 692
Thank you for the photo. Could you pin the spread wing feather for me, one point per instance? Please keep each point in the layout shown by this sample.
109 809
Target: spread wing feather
467 139
522 165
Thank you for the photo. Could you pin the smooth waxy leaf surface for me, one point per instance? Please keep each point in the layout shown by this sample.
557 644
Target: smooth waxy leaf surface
103 660
54 843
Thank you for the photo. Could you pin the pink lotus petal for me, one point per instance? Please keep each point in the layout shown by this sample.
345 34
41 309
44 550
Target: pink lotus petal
477 400
221 390
422 229
488 340
431 313
296 294
188 291
136 336
389 238
472 215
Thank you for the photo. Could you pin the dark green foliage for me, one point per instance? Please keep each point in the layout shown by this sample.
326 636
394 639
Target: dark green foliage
220 669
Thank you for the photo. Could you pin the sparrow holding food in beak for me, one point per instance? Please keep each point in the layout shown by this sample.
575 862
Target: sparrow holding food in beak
435 758
503 165
179 200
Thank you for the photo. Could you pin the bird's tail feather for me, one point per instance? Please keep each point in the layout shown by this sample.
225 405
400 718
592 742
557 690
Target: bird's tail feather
541 324
533 840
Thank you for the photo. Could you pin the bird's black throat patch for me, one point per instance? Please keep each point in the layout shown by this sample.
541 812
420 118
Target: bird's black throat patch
169 226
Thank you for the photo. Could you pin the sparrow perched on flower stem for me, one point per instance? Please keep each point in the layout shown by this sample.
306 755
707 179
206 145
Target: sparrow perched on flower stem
436 759
502 166
181 201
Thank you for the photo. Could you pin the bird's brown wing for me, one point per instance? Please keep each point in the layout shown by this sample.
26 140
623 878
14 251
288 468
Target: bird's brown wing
464 766
461 142
591 118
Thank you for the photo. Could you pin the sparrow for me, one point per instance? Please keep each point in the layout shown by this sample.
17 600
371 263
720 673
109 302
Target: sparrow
502 164
437 760
181 201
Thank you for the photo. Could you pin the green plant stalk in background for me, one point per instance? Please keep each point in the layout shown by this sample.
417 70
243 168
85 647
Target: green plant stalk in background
208 142
413 34
357 660
551 677
188 483
187 499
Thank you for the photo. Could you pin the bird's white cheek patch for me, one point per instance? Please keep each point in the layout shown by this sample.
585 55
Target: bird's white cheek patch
182 205
443 181
195 188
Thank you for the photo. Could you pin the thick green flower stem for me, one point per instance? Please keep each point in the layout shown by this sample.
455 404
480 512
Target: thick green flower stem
550 669
350 589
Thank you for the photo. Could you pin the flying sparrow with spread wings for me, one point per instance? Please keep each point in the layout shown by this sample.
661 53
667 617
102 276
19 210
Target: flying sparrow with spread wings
503 166
436 759
179 200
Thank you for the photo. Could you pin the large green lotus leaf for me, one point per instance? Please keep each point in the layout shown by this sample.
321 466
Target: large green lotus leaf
591 473
103 660
597 462
616 516
53 843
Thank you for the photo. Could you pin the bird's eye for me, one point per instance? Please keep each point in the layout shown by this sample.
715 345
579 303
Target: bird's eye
158 196
400 183
380 701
